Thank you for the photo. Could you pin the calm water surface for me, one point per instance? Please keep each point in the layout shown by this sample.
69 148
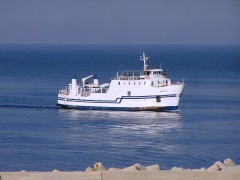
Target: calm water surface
35 135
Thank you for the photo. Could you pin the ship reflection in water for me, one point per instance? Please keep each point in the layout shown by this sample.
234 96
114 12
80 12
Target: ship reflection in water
118 133
118 115
152 123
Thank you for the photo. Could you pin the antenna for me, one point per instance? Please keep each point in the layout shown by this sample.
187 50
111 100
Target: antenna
144 59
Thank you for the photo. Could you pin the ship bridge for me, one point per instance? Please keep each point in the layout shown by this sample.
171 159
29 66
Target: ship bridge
143 74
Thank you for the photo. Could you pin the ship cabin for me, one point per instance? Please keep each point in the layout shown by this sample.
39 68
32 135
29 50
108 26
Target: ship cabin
151 77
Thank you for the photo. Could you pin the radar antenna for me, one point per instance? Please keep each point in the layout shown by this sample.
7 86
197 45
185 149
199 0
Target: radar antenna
144 59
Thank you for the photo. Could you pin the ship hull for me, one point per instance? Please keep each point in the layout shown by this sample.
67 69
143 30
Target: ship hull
161 99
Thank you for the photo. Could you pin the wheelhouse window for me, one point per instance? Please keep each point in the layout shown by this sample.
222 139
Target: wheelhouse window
157 72
147 73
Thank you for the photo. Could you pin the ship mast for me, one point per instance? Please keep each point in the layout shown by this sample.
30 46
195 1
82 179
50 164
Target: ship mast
144 59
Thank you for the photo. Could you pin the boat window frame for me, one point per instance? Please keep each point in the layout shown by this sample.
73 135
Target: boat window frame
158 99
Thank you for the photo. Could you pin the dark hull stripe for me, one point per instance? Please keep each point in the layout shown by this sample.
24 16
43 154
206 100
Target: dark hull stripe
154 108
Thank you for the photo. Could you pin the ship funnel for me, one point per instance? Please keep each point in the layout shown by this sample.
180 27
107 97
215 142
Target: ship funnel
74 86
95 81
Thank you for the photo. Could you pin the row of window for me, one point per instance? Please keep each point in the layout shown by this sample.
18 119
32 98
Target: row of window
158 72
154 72
134 83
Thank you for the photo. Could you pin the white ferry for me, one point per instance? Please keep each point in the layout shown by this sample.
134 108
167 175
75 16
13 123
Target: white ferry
142 90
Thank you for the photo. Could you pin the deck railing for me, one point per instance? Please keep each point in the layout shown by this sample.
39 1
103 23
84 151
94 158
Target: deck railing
85 91
93 90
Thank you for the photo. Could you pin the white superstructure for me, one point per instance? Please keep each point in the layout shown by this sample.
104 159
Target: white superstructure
147 89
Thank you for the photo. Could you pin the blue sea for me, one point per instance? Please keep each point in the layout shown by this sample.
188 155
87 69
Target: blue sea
35 135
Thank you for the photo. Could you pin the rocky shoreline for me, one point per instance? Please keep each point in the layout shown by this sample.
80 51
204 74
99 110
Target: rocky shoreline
226 170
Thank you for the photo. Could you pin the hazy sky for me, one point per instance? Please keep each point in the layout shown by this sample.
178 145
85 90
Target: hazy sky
120 21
